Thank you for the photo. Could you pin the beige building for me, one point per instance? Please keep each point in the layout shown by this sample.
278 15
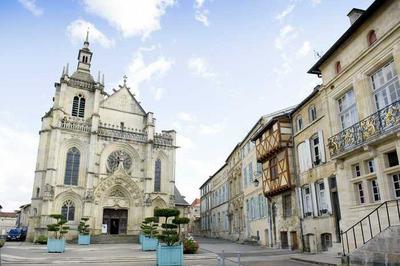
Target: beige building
7 221
360 80
219 204
100 157
316 183
194 216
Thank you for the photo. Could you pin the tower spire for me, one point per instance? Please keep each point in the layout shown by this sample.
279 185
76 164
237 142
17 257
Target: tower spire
86 43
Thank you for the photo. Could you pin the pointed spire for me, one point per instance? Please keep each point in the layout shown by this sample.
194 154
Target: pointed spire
125 78
86 43
102 80
63 72
66 70
98 76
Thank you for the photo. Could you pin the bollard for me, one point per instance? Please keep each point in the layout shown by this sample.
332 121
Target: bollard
238 256
223 258
218 261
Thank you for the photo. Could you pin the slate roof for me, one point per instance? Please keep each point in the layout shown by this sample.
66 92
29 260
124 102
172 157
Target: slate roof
82 76
179 199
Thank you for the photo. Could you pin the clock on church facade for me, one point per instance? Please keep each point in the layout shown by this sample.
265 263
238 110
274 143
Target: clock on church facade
100 157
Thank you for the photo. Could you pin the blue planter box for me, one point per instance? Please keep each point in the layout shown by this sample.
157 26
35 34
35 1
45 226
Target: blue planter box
170 255
55 245
84 240
141 238
149 243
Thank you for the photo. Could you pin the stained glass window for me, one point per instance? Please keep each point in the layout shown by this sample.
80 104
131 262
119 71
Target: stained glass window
68 210
72 167
116 157
157 176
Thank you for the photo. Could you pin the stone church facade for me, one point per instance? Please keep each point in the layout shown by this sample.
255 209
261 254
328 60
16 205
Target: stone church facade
100 157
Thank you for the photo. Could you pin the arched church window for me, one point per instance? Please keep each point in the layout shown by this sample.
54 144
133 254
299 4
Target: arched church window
37 192
78 106
68 210
117 157
72 167
157 175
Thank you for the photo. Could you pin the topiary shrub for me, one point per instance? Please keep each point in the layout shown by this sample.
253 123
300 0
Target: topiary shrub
180 221
149 227
169 234
59 229
190 246
41 240
83 228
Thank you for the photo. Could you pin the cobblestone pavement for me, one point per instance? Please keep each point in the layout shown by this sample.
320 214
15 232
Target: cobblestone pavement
20 253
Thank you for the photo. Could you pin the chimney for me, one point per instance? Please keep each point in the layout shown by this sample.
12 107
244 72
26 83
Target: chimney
354 14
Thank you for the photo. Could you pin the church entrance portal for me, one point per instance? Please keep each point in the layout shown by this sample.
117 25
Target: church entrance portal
116 221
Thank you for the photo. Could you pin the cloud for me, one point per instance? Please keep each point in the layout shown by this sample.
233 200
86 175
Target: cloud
142 71
130 17
316 2
289 9
18 151
186 117
158 93
77 29
31 6
200 67
201 14
211 129
286 34
304 50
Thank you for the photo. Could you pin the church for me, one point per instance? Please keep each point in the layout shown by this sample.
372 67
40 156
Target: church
100 157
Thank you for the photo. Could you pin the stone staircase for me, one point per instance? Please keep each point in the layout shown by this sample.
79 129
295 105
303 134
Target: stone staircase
383 249
114 239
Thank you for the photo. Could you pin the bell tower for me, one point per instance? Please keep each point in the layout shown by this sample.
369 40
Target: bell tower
85 56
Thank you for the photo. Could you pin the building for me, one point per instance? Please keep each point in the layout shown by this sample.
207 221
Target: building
181 204
7 221
23 215
205 208
194 216
360 79
315 171
100 157
274 151
219 204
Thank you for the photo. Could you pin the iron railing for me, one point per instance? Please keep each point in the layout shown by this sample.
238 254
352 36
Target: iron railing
385 215
385 120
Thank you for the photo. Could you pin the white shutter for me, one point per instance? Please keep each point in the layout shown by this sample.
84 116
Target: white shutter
300 197
301 157
307 154
327 195
321 146
314 199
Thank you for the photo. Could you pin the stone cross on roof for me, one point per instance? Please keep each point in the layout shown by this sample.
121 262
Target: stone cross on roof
125 78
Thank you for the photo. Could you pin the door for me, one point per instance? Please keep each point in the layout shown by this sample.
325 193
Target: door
284 240
114 229
295 243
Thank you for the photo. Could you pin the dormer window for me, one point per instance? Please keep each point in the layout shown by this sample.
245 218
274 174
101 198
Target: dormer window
371 37
78 106
299 123
312 112
338 67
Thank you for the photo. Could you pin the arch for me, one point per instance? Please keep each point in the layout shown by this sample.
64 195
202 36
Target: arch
72 164
158 202
62 157
125 147
371 37
68 196
68 210
338 67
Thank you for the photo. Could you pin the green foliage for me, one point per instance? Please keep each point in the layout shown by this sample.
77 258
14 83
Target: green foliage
2 242
181 220
167 212
59 228
83 228
41 240
190 246
149 226
169 234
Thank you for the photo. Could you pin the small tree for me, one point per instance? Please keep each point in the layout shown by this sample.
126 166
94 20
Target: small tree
169 234
59 228
83 228
149 226
180 221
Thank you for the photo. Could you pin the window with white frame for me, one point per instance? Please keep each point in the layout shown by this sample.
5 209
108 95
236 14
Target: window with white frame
307 202
356 170
396 184
370 166
375 190
347 109
321 197
315 149
360 193
386 85
299 123
312 113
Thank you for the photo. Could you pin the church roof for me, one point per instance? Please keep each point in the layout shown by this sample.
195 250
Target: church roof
82 76
179 199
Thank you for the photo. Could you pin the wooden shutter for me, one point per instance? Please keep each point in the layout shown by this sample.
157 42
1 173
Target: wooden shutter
314 199
321 146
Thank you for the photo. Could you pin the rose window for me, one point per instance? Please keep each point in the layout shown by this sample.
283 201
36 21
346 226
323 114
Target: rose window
117 157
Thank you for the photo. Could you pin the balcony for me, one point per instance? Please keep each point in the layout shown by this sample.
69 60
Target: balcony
122 134
75 123
373 127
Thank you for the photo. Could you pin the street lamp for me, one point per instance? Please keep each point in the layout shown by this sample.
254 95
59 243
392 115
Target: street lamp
256 181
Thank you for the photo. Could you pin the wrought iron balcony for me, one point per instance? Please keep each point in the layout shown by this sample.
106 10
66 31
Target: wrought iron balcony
384 121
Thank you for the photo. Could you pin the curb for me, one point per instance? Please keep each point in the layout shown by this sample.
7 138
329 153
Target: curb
314 262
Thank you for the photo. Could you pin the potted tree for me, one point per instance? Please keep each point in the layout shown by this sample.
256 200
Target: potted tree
170 251
84 232
59 229
149 232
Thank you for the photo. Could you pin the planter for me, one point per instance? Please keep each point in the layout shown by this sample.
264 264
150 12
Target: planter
141 238
84 240
149 243
169 255
55 245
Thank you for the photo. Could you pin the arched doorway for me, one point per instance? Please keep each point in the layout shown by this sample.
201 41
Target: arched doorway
116 220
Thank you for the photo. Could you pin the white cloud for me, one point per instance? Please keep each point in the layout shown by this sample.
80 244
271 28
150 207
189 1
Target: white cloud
200 67
286 34
186 142
211 129
31 6
304 49
131 17
77 29
316 2
17 156
186 117
201 14
289 9
158 93
140 71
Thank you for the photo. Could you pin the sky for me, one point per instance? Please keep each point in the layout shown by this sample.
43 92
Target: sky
206 68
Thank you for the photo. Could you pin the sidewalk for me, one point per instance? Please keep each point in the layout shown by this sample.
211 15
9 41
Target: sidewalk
320 259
